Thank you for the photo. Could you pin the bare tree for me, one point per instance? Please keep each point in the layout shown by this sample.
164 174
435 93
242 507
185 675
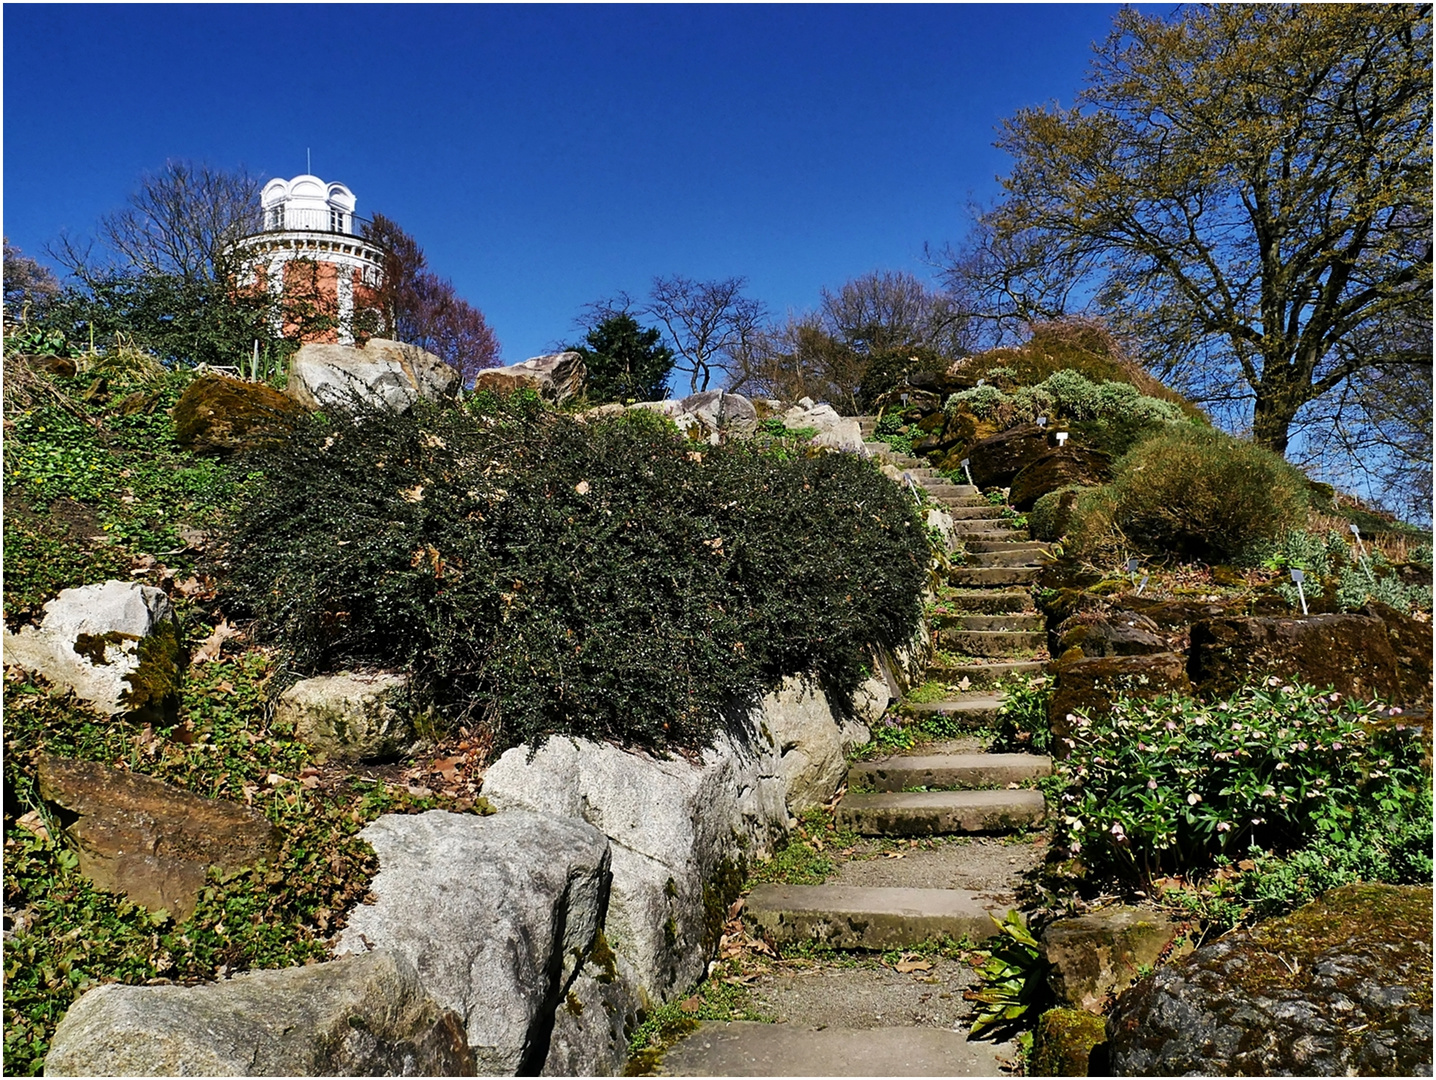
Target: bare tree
179 222
885 310
711 323
26 282
421 308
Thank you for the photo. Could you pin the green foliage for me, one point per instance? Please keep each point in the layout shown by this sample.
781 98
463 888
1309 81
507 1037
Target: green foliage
1172 784
1050 514
93 477
609 579
1332 561
625 361
895 433
886 366
1022 724
1193 493
72 937
804 859
1013 975
981 401
182 322
896 733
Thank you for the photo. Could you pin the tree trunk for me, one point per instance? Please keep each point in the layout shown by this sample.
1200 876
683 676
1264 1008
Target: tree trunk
1277 401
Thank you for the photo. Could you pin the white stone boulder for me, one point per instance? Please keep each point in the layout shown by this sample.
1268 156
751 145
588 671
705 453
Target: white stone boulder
556 376
722 413
348 716
384 373
679 830
358 1016
496 913
834 432
812 744
116 645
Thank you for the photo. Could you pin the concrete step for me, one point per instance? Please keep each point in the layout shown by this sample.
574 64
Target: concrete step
940 813
976 711
1032 623
984 601
751 1048
994 643
1011 557
864 917
936 771
984 676
992 575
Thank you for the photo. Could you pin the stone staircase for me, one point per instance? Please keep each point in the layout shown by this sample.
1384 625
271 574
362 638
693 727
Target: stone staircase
990 630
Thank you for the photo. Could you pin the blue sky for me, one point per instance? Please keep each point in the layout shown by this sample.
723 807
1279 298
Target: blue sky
547 156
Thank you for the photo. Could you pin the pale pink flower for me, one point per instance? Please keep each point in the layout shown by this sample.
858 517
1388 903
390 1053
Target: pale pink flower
1193 799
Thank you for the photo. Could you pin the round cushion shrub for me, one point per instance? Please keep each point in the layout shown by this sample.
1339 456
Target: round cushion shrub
542 575
1196 493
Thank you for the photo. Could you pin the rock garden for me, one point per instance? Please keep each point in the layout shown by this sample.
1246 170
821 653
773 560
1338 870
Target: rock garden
360 724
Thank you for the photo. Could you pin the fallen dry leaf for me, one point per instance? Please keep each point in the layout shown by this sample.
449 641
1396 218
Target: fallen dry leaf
906 965
964 683
691 1005
210 648
34 823
895 855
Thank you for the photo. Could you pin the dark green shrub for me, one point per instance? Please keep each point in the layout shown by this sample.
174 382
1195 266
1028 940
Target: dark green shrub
884 368
609 579
1194 493
625 361
1050 514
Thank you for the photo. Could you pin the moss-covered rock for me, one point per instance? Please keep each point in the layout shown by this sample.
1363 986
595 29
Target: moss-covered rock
996 460
1351 653
1092 684
219 415
1063 1042
1340 987
1066 466
1103 953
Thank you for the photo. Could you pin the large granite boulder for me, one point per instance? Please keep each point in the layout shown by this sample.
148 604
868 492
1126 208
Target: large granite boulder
834 432
1066 466
150 840
812 743
679 830
555 377
359 1016
496 913
996 460
221 416
1092 956
1341 987
592 1026
348 716
721 412
1350 653
387 374
116 645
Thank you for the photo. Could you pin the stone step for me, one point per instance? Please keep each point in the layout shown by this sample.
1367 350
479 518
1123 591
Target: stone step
984 676
866 917
1032 623
992 575
957 502
977 711
1007 545
940 813
947 771
984 530
751 1048
995 643
1011 557
977 512
984 602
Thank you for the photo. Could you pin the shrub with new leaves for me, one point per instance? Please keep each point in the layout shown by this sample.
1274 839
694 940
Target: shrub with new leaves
609 579
1171 785
1194 493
